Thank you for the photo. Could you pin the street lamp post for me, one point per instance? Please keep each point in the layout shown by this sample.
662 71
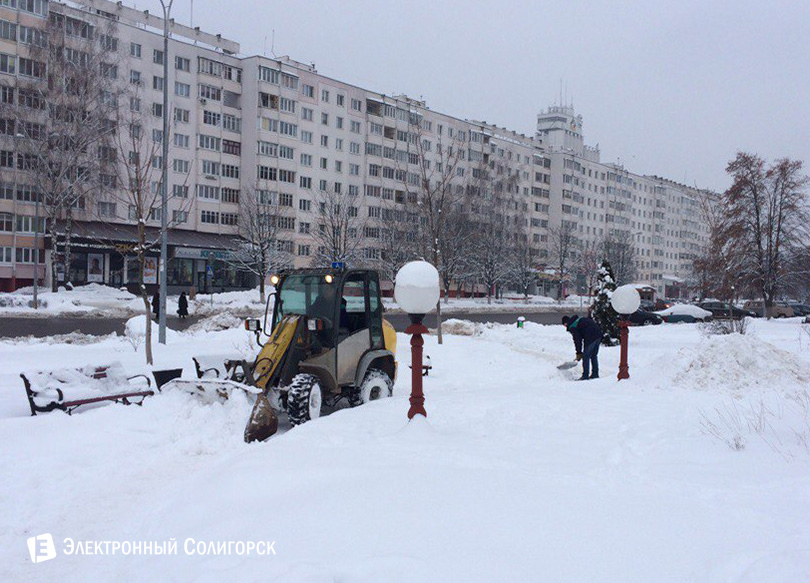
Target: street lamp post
36 249
624 300
417 292
164 246
36 241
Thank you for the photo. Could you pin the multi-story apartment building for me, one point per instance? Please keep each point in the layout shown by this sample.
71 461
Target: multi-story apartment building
282 132
658 219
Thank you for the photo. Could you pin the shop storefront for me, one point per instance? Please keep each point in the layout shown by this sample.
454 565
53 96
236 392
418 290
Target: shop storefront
198 262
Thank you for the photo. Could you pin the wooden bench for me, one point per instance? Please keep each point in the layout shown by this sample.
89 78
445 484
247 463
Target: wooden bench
55 396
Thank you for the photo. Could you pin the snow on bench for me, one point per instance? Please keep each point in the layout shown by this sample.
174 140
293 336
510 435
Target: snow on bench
69 388
215 365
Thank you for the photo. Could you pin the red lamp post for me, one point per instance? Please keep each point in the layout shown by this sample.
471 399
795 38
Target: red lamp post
416 329
625 300
417 292
624 368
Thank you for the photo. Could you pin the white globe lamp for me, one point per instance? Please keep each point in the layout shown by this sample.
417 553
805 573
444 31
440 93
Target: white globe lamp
625 300
417 287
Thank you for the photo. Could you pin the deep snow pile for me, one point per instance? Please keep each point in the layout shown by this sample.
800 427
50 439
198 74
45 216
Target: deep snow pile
737 362
82 299
518 474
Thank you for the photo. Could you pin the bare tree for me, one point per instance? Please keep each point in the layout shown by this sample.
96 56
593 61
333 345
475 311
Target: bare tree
398 240
562 243
338 234
65 112
618 249
259 252
523 265
587 267
438 184
136 157
766 219
455 249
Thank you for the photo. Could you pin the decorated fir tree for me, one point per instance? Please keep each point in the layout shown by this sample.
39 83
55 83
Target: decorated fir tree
601 311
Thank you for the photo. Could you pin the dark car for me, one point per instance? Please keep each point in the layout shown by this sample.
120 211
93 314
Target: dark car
644 318
662 304
800 309
724 311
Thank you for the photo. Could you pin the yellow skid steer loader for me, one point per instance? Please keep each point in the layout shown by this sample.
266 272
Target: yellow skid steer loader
327 341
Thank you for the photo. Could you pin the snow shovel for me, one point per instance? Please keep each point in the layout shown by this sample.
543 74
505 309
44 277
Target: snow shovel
568 365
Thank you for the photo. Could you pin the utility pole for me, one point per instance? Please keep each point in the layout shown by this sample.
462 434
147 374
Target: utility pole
164 248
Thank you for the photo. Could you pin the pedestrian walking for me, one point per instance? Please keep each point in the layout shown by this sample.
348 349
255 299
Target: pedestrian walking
587 337
182 306
156 305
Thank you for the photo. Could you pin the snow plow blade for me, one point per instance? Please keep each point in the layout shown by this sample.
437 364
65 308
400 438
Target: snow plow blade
263 421
210 390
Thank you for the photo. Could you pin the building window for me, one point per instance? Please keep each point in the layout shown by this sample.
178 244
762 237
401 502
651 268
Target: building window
182 64
7 63
106 209
209 217
231 147
209 192
308 91
135 50
182 89
157 57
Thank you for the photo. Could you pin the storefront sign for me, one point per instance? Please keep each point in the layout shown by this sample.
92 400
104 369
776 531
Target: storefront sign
195 253
95 267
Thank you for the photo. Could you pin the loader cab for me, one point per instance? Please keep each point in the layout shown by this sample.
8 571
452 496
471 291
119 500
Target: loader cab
344 314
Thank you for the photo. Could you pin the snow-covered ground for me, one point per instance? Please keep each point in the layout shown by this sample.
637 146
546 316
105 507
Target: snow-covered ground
96 299
695 469
102 300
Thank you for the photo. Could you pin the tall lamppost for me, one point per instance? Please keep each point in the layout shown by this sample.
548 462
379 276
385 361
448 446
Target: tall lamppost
625 300
417 292
36 242
164 203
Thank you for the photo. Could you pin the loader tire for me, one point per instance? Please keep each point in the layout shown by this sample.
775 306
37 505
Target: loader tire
376 385
304 399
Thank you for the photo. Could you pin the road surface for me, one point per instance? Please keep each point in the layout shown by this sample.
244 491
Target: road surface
14 327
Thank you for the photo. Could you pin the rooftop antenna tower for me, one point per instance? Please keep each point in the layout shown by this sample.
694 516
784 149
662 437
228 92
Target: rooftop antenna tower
191 18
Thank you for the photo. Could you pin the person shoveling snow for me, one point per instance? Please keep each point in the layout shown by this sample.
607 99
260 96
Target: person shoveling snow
587 337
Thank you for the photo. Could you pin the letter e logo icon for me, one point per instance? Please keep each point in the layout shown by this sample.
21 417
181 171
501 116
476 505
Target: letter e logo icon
41 548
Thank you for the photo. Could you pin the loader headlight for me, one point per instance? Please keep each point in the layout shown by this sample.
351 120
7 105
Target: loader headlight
329 278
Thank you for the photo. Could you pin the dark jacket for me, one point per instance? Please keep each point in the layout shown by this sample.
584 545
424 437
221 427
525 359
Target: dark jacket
182 305
584 330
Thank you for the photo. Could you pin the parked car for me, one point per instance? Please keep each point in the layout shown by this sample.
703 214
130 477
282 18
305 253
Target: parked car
779 309
685 313
644 318
663 304
800 309
724 311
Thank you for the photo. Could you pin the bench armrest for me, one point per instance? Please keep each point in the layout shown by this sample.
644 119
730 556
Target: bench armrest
141 376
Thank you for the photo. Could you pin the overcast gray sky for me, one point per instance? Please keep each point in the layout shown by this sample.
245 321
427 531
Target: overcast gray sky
672 88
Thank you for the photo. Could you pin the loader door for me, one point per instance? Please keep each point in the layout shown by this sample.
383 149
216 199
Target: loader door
354 334
375 311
